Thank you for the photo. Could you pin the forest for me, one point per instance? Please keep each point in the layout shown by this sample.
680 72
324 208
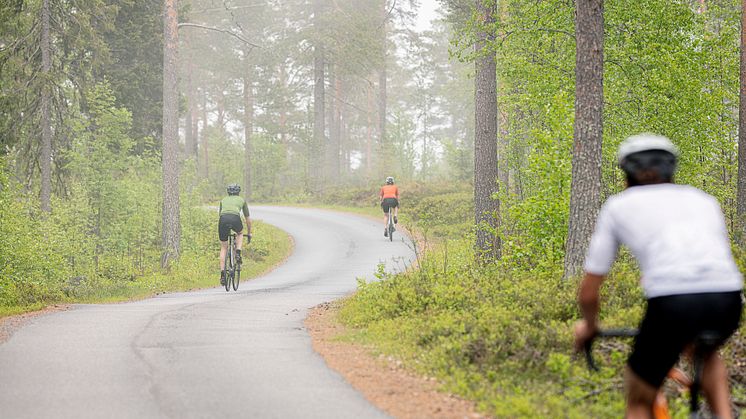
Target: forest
122 122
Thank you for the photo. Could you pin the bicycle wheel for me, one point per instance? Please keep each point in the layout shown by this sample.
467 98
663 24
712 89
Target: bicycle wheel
391 228
236 278
229 266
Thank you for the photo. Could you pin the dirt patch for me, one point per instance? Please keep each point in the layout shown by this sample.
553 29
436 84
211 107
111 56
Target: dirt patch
382 380
10 324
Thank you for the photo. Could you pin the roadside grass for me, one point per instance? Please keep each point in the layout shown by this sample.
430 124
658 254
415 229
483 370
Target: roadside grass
197 268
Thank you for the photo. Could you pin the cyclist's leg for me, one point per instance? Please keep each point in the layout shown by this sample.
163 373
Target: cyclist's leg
715 386
640 396
386 209
223 252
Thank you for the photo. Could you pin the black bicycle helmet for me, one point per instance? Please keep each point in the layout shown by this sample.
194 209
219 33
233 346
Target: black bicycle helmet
234 189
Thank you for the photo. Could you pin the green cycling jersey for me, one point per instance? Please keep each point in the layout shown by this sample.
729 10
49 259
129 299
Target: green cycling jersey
234 204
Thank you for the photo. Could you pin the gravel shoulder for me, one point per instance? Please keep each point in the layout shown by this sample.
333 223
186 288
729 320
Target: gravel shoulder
382 380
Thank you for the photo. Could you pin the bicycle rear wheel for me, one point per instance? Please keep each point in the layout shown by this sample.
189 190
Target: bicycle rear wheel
391 228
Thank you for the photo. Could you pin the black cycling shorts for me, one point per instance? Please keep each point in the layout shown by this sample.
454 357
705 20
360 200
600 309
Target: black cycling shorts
674 321
389 203
227 223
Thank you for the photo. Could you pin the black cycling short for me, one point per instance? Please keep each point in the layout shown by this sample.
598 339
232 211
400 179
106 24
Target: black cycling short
227 223
389 203
674 321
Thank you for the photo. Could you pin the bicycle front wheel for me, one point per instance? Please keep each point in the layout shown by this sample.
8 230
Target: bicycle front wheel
236 278
229 269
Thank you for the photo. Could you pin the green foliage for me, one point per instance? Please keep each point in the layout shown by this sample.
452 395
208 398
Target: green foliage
102 241
502 337
29 272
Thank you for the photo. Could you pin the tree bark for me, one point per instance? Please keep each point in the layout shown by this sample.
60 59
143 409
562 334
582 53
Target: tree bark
586 160
741 193
171 222
486 205
45 158
315 157
248 99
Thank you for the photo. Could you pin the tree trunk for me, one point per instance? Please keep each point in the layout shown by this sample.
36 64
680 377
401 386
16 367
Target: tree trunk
316 156
486 207
190 125
171 223
382 98
586 159
248 99
369 137
45 162
741 194
204 139
333 154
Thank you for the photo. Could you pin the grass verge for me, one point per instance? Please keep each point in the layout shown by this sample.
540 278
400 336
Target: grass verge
194 270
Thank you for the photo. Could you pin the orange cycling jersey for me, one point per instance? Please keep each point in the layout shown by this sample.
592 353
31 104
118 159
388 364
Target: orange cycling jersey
389 191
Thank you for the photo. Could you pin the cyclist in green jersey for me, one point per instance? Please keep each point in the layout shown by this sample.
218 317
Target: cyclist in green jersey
231 208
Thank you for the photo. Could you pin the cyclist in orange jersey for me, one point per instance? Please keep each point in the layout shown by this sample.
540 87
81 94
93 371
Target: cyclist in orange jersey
389 195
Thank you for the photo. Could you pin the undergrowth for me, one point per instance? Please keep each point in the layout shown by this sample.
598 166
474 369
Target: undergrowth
502 334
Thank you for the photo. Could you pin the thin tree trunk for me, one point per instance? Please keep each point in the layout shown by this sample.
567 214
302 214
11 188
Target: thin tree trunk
333 154
316 156
283 111
503 145
248 98
486 207
46 122
382 99
171 222
741 194
204 142
188 122
369 137
585 191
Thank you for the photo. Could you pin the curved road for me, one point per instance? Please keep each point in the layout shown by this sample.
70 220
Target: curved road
207 353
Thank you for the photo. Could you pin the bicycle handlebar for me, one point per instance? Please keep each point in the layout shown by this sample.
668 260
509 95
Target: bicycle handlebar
608 333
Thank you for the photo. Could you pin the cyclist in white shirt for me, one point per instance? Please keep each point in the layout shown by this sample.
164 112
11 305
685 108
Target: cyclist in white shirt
678 235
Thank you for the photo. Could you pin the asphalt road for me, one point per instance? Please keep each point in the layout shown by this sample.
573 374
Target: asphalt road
208 353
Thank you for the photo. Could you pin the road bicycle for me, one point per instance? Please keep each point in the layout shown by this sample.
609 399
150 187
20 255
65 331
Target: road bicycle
390 224
705 343
232 266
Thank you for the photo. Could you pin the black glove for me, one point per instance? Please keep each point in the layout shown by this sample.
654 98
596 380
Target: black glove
248 238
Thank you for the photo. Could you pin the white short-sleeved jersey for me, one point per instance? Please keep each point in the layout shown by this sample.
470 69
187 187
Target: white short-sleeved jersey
676 232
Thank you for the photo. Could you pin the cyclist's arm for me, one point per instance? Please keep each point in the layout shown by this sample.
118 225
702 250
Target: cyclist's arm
246 216
589 293
380 195
397 193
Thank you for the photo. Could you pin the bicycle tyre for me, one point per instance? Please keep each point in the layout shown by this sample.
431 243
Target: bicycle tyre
236 278
391 229
229 266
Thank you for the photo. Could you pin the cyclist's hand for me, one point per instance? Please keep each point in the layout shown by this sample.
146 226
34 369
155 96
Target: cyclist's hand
583 333
248 238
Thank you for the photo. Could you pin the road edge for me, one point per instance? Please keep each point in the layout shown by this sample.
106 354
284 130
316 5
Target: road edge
382 380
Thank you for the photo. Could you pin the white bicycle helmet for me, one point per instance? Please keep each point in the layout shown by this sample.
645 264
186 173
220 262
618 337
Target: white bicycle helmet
644 142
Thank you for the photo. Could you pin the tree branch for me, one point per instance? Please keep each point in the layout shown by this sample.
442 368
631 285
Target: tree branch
231 33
